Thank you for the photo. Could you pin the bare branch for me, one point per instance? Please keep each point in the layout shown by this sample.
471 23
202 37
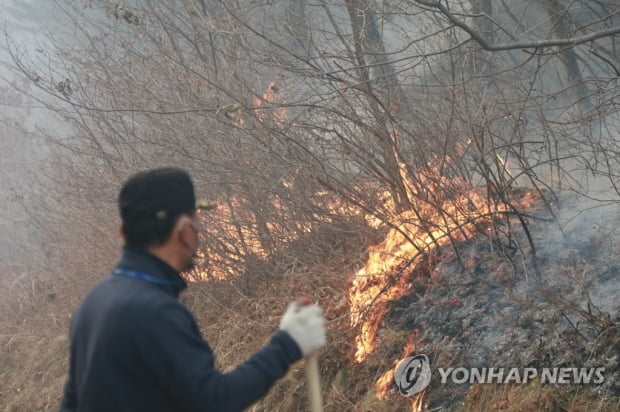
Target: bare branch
568 42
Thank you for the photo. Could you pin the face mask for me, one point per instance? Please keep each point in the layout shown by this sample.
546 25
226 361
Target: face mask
192 251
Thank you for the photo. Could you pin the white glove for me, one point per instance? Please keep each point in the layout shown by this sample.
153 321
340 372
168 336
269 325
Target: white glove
306 325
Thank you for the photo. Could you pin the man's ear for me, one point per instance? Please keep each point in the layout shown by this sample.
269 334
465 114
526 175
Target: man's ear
179 231
181 223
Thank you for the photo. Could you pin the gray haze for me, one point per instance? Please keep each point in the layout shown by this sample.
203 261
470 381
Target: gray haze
27 24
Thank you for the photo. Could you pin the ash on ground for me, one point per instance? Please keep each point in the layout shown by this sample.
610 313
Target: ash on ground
487 310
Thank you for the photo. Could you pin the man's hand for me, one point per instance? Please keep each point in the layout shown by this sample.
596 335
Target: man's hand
306 325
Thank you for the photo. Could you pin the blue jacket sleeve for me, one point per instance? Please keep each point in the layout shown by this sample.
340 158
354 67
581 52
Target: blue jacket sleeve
183 363
69 397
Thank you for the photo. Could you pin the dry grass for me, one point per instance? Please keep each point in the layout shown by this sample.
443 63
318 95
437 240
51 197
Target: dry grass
33 344
534 397
237 316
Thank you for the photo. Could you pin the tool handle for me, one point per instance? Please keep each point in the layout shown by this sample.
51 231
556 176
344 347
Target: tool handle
312 371
314 383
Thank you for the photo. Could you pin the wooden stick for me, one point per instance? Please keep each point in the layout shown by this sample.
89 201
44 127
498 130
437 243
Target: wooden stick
314 383
312 371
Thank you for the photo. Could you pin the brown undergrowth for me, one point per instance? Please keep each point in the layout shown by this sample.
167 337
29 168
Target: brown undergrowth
33 343
237 316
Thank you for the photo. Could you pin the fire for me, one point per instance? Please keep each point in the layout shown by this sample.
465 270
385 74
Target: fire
442 210
231 233
385 382
386 275
418 403
271 97
231 229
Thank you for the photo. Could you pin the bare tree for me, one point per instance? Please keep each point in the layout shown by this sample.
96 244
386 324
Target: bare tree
311 123
271 104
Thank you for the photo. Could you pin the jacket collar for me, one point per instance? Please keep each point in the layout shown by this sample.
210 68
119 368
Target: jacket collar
144 262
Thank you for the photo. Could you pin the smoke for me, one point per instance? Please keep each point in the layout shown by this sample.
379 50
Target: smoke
23 153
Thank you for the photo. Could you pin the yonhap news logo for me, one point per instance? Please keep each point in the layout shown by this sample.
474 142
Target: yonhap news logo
413 374
576 376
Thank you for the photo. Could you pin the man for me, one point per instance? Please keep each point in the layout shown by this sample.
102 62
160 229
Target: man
135 347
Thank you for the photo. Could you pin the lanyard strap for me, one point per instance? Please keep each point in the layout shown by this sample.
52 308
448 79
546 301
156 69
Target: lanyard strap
146 277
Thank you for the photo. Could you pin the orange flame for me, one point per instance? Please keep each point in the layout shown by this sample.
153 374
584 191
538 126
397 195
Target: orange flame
271 97
386 381
426 226
231 233
415 232
417 405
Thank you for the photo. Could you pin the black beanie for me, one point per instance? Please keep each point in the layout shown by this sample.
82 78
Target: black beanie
157 196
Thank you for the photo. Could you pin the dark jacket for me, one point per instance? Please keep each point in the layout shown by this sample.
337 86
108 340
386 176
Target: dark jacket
135 347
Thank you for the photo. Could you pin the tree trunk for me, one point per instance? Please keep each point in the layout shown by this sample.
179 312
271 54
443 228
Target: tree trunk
559 26
481 58
370 52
